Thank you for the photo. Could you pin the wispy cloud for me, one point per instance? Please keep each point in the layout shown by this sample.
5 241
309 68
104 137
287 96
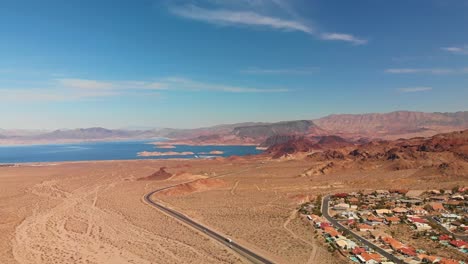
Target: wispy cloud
251 18
299 71
457 50
109 85
51 94
227 17
179 83
343 37
435 71
85 84
76 89
414 89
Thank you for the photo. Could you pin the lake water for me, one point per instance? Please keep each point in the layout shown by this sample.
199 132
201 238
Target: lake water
121 150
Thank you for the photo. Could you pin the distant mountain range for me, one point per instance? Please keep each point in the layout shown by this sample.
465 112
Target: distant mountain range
404 124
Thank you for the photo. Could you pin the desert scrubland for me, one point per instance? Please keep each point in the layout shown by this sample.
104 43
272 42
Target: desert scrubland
93 212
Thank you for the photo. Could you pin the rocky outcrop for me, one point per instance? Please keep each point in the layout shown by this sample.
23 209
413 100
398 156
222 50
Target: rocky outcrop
290 147
159 175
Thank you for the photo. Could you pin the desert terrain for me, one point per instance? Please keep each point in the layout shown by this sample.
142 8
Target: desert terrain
93 212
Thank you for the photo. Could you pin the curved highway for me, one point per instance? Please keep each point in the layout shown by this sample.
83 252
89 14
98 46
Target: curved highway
252 256
325 208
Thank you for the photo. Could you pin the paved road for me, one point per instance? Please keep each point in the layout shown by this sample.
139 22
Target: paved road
255 258
325 213
457 236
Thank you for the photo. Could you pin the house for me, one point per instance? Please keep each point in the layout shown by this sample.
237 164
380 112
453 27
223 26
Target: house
438 198
411 202
421 224
418 210
407 251
345 243
370 256
378 234
438 207
341 206
340 195
358 250
444 237
353 200
459 243
375 220
448 261
383 211
331 231
382 192
364 227
394 244
393 219
400 210
451 216
427 258
457 197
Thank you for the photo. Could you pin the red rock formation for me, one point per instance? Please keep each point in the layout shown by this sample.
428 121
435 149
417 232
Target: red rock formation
160 175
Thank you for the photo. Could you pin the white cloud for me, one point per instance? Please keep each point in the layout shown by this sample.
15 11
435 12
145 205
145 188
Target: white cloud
108 85
299 71
457 50
343 37
50 94
414 89
84 84
226 17
178 83
73 89
256 19
435 71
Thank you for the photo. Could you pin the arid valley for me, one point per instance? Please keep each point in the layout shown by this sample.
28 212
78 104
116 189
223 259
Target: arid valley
94 212
233 131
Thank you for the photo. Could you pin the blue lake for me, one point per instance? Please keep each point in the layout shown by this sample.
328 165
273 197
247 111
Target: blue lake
119 150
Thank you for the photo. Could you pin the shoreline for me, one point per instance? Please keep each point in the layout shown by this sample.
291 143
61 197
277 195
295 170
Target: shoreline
66 142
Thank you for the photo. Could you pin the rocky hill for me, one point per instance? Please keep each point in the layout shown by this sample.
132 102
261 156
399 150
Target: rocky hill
444 153
299 144
394 124
87 134
356 128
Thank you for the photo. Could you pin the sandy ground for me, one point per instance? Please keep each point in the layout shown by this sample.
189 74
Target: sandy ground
92 212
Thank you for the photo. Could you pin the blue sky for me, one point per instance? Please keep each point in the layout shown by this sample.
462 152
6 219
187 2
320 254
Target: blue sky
204 62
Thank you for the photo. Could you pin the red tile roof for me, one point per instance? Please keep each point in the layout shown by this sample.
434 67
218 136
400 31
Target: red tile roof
459 243
358 250
407 251
368 256
417 220
331 231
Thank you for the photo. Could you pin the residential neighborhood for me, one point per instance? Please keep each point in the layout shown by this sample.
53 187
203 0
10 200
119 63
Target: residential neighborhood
395 226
